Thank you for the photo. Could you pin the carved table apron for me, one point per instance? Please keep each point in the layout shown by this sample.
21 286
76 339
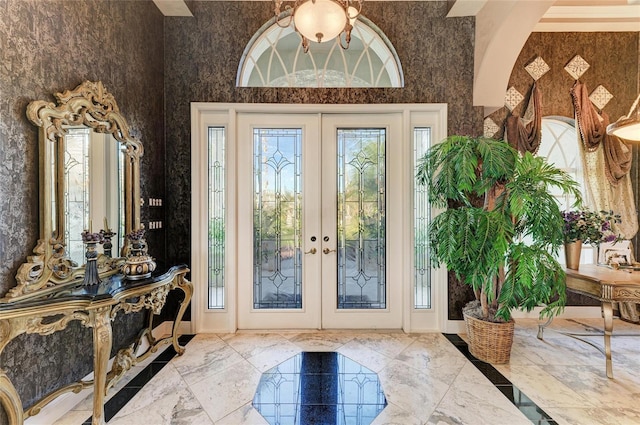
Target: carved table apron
95 307
607 285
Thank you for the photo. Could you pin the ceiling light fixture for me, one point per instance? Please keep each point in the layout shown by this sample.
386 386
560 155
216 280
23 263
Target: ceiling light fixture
319 20
627 127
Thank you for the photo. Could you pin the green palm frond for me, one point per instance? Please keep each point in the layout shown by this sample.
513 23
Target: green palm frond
518 228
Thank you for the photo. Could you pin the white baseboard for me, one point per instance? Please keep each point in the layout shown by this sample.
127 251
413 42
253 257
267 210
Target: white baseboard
66 402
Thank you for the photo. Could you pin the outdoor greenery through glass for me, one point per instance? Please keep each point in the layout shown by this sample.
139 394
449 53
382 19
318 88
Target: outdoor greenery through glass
216 211
421 218
361 218
277 218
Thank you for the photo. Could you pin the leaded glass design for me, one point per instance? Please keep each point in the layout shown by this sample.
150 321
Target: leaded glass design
421 218
274 58
361 218
216 219
277 218
76 196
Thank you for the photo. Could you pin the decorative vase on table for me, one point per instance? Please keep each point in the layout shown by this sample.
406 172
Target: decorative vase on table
572 251
139 264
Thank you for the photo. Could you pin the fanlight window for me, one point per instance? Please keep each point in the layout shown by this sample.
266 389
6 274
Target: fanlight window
275 58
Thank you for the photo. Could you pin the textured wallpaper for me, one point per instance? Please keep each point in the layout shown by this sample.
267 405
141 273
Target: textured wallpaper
48 47
156 66
202 57
613 60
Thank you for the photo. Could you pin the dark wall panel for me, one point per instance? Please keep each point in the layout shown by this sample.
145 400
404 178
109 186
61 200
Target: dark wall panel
203 53
48 47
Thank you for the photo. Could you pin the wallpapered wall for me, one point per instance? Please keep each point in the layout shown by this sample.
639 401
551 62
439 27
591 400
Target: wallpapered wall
613 60
202 57
52 46
49 47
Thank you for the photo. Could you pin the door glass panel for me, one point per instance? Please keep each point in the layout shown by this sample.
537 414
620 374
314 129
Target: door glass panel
216 222
277 219
361 219
421 217
76 197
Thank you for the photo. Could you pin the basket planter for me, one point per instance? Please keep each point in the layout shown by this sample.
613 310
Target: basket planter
489 341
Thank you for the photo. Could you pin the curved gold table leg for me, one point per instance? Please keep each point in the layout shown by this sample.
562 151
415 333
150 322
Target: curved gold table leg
607 310
10 400
187 288
102 336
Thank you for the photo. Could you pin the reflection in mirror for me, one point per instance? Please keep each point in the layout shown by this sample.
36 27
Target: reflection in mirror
93 173
89 180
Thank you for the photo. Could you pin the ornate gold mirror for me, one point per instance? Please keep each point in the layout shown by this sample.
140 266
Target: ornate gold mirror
89 170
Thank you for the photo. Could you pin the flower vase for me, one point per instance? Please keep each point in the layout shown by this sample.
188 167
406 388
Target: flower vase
572 251
91 276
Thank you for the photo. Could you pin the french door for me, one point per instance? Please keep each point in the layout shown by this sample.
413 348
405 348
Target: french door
319 224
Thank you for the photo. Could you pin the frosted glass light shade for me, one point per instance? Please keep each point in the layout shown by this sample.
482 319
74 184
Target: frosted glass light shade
320 20
628 127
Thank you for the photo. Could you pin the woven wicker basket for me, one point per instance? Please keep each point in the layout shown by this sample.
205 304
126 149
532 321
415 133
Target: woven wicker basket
488 341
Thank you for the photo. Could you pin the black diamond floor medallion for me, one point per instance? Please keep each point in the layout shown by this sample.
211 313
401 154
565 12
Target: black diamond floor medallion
319 388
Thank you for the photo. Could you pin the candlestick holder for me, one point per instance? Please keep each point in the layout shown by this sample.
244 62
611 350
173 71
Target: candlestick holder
107 245
90 240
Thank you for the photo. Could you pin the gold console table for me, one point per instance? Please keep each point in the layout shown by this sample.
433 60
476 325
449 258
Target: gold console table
95 307
609 286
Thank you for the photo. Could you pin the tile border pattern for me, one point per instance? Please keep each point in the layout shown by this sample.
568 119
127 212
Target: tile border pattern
532 411
529 408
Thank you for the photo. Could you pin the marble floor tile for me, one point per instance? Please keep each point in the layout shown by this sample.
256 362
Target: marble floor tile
425 378
411 389
245 415
165 400
544 388
227 391
471 399
207 355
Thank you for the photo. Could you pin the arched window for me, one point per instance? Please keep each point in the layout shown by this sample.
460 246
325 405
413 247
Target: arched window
274 58
559 145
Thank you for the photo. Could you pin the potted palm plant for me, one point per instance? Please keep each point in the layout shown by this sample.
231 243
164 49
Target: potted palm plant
499 233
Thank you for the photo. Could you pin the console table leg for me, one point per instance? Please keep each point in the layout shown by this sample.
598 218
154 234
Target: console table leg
187 287
607 310
102 334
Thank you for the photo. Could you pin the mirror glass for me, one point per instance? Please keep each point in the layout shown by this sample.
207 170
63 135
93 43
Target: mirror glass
94 196
89 180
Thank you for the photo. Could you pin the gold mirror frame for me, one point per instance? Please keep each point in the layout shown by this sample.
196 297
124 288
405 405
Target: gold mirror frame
90 105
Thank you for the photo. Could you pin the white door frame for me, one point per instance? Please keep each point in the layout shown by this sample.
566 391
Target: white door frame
224 115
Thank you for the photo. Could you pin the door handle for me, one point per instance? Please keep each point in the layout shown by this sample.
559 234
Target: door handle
327 250
311 251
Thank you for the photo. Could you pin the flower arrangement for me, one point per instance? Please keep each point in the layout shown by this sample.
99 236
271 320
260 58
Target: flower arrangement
590 227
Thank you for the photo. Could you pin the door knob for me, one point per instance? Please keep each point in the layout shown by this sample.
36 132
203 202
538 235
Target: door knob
327 250
311 251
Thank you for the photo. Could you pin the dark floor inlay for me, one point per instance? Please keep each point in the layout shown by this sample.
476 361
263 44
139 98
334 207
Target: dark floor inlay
518 398
122 397
314 388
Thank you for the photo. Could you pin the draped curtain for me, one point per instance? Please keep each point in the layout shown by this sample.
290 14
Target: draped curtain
607 161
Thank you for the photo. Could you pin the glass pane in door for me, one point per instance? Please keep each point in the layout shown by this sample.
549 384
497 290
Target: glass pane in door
216 220
361 223
277 224
421 219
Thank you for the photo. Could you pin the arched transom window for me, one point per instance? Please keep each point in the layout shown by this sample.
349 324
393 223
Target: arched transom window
275 58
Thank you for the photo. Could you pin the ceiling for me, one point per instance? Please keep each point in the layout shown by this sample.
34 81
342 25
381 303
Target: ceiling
503 27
